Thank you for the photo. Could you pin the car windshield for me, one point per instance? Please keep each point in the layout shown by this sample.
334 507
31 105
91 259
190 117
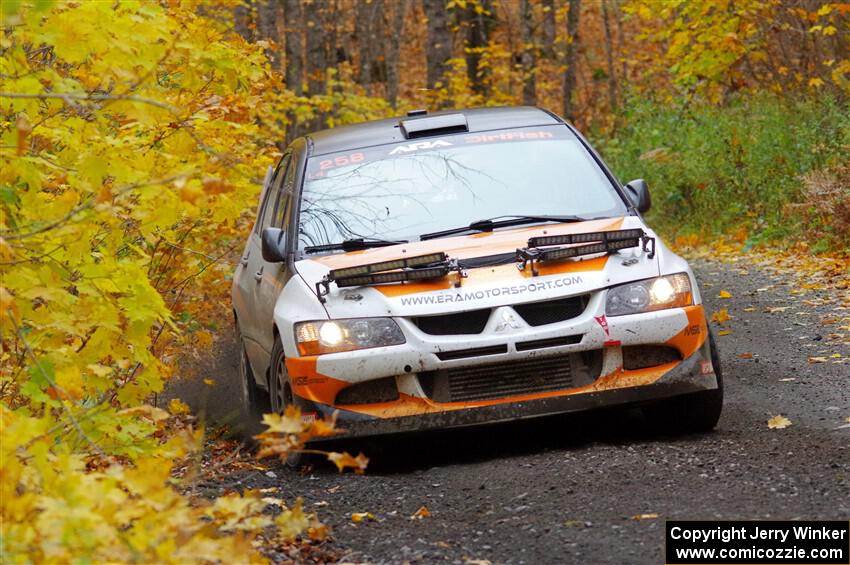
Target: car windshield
401 191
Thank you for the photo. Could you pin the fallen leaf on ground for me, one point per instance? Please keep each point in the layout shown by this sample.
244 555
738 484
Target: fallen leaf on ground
423 512
209 382
724 294
724 332
787 379
721 316
746 355
750 309
778 422
650 516
817 360
358 517
776 309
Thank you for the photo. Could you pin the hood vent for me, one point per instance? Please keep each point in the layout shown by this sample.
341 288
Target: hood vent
433 125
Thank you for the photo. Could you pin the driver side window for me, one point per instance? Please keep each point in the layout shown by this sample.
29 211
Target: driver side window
272 194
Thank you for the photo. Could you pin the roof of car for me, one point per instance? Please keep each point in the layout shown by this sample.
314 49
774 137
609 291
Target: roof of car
380 132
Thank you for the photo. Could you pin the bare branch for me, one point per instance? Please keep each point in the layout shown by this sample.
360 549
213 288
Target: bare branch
70 97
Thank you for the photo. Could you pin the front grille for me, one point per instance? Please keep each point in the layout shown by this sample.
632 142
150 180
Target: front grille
471 322
552 311
498 380
644 356
369 392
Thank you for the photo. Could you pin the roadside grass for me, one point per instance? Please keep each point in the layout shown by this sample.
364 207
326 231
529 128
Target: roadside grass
774 170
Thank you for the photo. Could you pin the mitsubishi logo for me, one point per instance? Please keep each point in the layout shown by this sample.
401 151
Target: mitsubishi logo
508 320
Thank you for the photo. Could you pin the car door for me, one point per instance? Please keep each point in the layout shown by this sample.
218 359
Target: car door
252 322
275 275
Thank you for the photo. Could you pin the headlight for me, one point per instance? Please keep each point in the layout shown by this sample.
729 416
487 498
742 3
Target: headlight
334 336
673 291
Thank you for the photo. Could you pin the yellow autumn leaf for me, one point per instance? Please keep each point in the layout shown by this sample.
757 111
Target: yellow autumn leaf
346 460
816 82
778 422
150 412
289 422
724 332
724 294
209 382
648 516
721 316
359 517
177 407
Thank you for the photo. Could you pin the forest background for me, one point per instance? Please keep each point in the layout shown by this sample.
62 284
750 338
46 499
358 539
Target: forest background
135 135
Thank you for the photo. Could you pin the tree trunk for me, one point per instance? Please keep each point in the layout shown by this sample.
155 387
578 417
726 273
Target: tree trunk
527 55
367 27
293 46
549 34
394 52
267 27
241 21
478 28
317 60
609 52
571 59
439 48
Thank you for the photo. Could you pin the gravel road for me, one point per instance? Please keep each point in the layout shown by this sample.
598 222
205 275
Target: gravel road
597 488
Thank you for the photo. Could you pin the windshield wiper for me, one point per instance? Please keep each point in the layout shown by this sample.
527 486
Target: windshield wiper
497 222
357 244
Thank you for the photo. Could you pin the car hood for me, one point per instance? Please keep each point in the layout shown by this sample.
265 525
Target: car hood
486 286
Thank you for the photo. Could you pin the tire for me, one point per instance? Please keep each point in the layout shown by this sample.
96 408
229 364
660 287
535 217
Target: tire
281 395
692 413
254 401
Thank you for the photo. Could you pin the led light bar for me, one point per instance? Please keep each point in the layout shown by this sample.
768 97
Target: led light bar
573 238
394 276
370 268
567 252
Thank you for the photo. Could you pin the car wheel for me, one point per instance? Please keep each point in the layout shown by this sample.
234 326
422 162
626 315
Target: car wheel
280 391
691 413
253 399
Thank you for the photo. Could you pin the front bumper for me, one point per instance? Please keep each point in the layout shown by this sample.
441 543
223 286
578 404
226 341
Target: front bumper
620 387
687 378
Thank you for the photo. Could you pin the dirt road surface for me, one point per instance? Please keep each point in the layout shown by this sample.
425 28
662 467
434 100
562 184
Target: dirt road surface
597 488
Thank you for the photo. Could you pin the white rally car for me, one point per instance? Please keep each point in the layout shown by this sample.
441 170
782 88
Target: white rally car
460 268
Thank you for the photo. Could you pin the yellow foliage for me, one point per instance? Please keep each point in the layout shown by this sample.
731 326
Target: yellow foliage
133 134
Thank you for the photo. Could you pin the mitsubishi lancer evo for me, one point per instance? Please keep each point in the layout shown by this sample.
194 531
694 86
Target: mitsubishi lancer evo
461 268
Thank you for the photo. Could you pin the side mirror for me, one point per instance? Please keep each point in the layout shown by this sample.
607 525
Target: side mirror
274 245
638 193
